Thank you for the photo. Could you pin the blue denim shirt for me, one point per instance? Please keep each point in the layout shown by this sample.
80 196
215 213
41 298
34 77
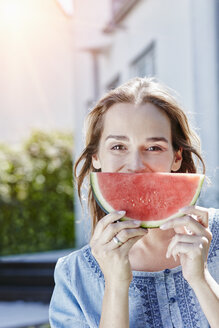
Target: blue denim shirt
156 299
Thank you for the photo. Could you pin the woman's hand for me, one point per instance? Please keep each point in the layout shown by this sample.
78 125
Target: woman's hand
111 256
191 242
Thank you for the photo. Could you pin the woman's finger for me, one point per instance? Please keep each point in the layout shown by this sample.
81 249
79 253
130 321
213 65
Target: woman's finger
184 239
105 221
187 221
191 250
130 242
116 228
124 237
201 213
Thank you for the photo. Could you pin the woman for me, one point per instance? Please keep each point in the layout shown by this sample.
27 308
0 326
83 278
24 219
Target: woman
141 278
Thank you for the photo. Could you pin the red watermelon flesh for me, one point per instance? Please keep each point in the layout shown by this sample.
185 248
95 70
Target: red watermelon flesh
152 198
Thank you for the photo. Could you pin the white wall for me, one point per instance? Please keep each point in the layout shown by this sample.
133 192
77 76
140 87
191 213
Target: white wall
88 22
205 83
184 33
82 64
165 22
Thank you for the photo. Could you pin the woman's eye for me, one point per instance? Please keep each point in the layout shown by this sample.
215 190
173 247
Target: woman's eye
154 148
118 147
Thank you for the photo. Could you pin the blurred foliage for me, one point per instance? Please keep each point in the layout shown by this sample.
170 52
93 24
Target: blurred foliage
36 194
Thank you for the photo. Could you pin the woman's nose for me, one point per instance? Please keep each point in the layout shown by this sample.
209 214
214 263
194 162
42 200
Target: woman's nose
138 164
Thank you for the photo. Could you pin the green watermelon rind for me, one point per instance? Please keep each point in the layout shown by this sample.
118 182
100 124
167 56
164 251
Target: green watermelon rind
145 224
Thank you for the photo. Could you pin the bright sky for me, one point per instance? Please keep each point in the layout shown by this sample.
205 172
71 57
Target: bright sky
36 67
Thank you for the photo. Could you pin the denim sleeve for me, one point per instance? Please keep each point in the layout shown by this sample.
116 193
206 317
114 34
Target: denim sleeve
64 310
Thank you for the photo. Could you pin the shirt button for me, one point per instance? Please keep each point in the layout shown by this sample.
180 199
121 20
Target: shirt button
167 271
172 300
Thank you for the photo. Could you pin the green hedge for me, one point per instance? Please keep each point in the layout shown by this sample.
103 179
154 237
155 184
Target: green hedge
36 194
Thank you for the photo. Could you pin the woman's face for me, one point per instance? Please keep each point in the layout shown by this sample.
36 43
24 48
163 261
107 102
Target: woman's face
136 139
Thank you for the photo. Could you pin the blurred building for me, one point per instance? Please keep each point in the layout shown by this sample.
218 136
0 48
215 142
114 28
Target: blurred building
174 40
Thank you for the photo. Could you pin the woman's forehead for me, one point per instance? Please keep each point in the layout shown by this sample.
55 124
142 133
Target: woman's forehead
146 117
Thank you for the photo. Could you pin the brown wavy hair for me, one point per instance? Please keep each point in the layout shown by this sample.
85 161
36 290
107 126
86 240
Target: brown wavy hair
137 91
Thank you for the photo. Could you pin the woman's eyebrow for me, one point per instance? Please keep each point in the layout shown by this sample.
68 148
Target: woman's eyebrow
117 137
155 139
151 139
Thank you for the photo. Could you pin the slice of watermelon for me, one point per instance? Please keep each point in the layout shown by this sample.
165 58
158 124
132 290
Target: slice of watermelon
152 198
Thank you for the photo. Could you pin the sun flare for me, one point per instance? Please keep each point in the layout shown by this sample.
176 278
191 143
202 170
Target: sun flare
12 12
35 53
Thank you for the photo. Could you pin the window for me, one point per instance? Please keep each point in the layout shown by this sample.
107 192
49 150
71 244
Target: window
144 64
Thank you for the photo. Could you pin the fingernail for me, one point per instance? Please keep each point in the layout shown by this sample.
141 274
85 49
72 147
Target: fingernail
164 226
136 222
121 212
183 209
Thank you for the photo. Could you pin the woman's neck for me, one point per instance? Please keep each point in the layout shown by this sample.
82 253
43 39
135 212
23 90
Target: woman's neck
156 238
149 253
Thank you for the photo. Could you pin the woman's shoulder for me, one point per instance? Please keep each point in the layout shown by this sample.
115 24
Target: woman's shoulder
76 257
80 261
75 254
214 227
213 218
